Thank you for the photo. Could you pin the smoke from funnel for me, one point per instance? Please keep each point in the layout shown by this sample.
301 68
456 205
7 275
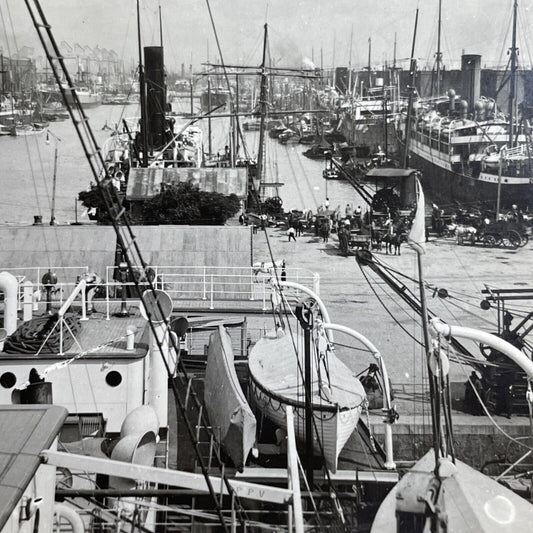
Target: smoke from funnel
307 64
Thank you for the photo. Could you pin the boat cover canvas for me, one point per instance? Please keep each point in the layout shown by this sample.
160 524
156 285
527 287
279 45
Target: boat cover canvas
225 401
273 366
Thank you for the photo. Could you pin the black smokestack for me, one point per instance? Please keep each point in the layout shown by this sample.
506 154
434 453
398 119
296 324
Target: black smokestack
471 68
155 96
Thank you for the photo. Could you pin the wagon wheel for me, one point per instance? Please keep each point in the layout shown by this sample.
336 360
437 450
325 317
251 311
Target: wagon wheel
525 239
513 238
489 240
277 201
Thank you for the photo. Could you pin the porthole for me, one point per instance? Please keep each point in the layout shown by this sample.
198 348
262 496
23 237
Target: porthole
8 380
113 378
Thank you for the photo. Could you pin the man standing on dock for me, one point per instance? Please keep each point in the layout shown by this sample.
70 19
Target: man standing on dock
291 232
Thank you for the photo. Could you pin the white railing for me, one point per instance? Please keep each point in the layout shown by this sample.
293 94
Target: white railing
212 284
209 284
67 279
68 274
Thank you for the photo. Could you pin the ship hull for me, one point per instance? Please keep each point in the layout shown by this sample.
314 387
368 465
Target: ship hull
335 427
86 100
447 185
275 383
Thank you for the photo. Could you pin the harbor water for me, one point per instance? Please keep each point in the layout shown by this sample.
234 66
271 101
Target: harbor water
28 169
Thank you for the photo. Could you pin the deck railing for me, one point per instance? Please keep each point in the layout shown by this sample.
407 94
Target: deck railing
216 286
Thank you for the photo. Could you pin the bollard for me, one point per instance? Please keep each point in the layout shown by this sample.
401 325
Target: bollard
130 337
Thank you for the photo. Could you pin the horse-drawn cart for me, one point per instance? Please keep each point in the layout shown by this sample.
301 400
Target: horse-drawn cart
351 240
502 233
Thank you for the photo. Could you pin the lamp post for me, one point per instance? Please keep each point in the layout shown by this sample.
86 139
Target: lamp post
49 135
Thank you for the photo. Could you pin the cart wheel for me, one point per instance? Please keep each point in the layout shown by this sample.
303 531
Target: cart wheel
525 239
489 240
277 202
513 238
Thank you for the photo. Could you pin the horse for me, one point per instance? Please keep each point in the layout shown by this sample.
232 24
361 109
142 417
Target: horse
394 240
377 240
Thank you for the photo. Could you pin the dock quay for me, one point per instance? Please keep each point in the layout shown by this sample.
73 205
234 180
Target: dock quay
346 293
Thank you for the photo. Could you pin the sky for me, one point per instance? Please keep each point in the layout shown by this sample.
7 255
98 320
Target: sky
298 29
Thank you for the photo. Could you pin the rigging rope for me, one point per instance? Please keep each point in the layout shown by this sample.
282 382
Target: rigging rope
38 334
239 130
126 240
387 309
285 305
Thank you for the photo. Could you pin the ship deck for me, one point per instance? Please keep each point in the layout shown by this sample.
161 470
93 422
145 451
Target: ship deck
462 270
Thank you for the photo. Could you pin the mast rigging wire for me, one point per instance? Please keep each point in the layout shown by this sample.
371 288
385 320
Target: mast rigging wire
284 304
231 96
125 238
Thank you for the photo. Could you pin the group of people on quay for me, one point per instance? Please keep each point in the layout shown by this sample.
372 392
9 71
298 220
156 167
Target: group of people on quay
375 229
385 229
388 228
324 222
483 225
440 220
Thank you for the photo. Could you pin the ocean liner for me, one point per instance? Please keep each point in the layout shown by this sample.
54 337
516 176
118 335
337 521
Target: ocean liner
467 148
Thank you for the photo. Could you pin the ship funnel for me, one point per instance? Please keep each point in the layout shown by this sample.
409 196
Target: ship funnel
155 96
471 74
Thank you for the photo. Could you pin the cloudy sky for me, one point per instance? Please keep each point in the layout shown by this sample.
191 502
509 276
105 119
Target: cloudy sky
298 29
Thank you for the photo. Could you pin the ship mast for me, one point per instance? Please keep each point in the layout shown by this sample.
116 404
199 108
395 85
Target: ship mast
512 90
394 55
350 65
264 108
412 73
439 53
160 26
369 62
333 64
144 133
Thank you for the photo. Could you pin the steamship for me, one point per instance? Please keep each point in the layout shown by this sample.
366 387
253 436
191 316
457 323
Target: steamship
467 148
363 122
87 98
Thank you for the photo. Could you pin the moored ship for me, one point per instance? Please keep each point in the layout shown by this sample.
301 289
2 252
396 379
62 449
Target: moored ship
468 149
461 156
86 97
